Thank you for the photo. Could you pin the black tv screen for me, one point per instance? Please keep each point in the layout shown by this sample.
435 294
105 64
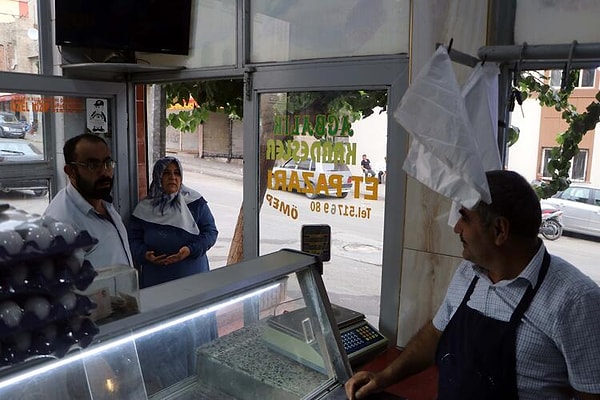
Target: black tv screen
154 26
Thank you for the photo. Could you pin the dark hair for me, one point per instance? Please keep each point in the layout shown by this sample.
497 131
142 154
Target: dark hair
514 199
69 147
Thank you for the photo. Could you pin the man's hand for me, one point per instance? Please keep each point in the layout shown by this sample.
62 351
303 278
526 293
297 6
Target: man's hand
418 355
362 384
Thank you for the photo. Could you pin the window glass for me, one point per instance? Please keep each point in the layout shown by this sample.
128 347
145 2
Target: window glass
211 345
19 44
578 165
212 37
214 33
586 77
209 145
306 165
580 195
281 349
30 195
330 130
284 30
27 121
566 194
20 149
597 197
545 158
555 77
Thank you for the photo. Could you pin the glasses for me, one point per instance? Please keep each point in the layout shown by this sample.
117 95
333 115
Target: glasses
95 165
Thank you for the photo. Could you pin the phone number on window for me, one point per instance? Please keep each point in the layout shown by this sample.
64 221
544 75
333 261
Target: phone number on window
343 210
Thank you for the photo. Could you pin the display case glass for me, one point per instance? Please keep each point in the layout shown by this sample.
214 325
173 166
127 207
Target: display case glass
259 329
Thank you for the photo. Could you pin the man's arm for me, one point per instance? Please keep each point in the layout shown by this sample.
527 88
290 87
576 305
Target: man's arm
418 355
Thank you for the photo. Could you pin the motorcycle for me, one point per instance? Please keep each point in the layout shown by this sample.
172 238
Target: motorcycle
552 226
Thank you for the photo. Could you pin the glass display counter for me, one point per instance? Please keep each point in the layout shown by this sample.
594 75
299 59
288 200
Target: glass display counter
218 335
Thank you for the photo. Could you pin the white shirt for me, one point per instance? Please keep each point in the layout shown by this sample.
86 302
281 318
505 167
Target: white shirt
113 245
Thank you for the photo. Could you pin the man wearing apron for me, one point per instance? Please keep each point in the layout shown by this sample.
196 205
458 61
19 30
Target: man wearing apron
516 323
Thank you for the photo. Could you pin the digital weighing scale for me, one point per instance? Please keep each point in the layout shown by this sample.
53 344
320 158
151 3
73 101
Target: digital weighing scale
288 333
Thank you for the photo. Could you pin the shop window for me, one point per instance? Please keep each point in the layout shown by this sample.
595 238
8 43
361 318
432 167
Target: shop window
578 165
26 167
286 31
585 79
19 37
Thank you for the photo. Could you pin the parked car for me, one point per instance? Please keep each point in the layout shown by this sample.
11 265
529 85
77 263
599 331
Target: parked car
26 125
21 151
10 126
580 204
290 176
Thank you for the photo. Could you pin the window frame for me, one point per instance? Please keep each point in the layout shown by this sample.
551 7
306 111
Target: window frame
553 78
546 156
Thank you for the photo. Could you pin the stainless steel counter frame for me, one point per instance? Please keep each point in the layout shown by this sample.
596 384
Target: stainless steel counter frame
169 300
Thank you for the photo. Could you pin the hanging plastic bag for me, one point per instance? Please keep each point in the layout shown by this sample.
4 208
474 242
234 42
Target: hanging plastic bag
480 93
443 154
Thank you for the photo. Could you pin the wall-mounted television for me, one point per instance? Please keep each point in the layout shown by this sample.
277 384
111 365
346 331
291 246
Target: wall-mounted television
153 26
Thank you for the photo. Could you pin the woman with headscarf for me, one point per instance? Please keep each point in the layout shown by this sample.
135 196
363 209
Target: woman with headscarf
170 230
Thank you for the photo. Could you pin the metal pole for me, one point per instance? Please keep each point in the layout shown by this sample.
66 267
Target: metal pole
541 52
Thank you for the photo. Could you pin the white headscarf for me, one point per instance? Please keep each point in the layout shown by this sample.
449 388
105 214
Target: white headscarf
168 209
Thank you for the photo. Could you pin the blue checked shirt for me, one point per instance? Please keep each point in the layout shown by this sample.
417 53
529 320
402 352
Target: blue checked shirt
558 340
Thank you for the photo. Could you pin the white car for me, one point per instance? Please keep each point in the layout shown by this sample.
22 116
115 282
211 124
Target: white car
312 178
10 126
13 151
580 204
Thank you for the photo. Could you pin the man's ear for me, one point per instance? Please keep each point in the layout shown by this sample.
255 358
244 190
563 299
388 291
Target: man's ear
501 230
69 170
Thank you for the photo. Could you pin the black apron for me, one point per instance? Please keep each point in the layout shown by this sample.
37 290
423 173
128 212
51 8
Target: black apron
476 355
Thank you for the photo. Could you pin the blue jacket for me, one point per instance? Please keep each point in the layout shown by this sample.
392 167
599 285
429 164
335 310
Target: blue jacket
164 239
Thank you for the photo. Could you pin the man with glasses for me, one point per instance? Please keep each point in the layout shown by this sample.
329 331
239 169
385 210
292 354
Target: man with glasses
86 202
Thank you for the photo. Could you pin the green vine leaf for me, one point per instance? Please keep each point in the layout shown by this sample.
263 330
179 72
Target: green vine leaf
535 84
224 96
513 135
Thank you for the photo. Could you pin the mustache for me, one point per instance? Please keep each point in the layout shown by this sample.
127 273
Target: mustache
104 180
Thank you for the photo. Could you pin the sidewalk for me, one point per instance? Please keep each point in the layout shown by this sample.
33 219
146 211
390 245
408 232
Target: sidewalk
211 166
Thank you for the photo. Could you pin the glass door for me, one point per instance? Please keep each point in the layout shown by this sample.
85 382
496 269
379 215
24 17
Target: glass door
324 165
326 146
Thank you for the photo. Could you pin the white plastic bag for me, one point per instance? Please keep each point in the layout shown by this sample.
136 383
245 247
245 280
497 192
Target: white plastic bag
443 154
480 93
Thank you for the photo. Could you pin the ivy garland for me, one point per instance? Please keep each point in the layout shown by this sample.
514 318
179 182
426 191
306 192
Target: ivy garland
535 84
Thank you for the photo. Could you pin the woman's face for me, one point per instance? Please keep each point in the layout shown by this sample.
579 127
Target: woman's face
171 179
